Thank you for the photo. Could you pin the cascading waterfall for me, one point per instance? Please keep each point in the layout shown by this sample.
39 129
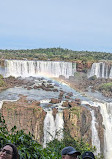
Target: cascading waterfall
1 103
37 68
110 76
106 111
101 70
49 128
59 125
95 137
52 127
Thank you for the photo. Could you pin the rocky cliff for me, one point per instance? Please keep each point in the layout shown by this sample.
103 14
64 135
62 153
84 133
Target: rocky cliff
26 115
77 121
29 116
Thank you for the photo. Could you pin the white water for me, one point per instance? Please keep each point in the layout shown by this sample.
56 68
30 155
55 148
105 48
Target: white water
95 137
53 127
101 70
23 68
59 125
106 111
1 103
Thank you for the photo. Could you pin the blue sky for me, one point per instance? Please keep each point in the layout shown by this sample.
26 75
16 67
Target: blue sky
72 24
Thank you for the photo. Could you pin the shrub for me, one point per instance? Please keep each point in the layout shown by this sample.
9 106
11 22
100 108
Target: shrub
106 87
93 77
2 83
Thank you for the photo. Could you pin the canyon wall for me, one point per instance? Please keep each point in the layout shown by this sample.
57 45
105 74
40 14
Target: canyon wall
29 116
78 122
26 115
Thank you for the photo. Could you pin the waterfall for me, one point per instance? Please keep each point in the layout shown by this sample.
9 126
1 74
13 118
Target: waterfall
101 70
1 103
106 111
52 127
110 76
95 137
59 125
26 68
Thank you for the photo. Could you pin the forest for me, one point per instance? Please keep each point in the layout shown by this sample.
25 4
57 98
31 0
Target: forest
55 54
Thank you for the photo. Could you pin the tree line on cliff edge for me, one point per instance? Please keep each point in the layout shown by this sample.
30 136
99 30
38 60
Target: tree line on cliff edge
55 54
30 149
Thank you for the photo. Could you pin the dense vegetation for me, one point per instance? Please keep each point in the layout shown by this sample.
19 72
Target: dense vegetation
106 87
2 83
30 149
55 54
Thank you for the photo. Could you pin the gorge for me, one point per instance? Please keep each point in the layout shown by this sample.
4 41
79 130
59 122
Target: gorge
42 103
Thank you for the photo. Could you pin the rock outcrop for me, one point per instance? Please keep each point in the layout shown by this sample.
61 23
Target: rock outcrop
26 115
82 66
77 121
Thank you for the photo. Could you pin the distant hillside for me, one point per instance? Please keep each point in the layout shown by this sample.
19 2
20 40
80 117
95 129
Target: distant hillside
55 54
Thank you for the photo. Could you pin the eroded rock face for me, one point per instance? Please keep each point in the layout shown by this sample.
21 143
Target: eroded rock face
26 115
83 66
54 112
72 103
77 121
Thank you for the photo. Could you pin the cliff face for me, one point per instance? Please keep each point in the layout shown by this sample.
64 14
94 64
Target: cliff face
26 115
77 121
29 116
82 66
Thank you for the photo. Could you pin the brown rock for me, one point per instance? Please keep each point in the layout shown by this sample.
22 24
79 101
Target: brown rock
54 101
54 112
26 115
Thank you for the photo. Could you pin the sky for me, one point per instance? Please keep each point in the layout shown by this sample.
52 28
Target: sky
79 25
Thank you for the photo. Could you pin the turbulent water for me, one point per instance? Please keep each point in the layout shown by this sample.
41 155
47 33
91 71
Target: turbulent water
106 110
52 126
101 70
95 137
36 68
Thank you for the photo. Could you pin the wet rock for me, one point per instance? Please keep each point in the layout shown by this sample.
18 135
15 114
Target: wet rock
55 90
61 94
54 101
70 94
29 88
77 101
65 104
50 86
54 112
72 104
35 87
68 97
